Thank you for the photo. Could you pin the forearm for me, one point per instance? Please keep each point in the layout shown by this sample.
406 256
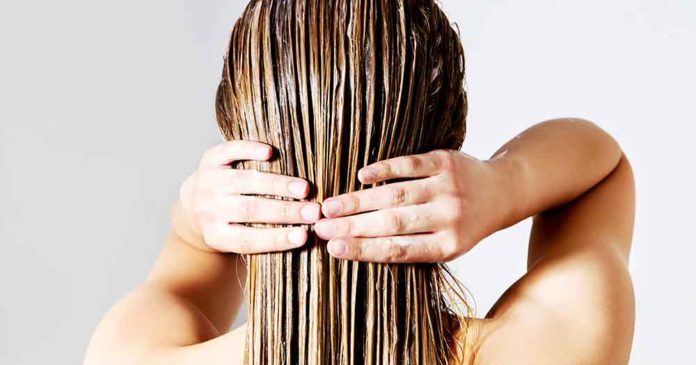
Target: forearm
553 163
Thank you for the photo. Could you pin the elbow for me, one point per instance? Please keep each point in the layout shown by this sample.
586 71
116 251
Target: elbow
596 142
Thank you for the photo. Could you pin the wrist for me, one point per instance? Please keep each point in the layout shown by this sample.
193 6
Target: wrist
182 229
511 182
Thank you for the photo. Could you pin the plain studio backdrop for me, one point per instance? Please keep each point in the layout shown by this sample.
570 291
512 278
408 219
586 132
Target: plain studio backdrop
106 106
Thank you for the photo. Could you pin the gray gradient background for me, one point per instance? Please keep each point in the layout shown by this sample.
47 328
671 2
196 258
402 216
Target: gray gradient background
105 107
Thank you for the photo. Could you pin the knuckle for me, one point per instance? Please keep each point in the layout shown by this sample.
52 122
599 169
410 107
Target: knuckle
228 147
412 163
396 252
426 217
393 222
399 194
210 153
358 247
446 158
220 149
440 154
454 210
449 249
450 183
431 163
457 218
383 168
457 188
289 210
347 227
351 203
423 191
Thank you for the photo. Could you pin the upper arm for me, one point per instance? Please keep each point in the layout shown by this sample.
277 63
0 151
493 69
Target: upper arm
180 315
576 302
601 219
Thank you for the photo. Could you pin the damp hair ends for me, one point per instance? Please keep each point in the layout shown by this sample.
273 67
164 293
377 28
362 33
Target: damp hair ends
335 86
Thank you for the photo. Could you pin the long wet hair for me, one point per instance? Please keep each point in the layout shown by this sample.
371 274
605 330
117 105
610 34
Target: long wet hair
335 85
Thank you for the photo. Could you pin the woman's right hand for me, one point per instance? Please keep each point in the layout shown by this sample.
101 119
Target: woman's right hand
212 206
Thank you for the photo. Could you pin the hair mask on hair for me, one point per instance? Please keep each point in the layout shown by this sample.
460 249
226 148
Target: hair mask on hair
335 86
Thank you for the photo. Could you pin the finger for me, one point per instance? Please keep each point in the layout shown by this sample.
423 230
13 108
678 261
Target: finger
236 150
386 196
421 165
235 181
251 209
386 222
241 239
394 249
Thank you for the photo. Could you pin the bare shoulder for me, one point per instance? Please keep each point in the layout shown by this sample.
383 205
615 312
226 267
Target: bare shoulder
575 304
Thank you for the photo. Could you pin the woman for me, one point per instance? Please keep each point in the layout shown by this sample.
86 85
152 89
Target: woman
375 86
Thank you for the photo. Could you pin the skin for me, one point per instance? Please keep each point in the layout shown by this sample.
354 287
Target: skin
575 304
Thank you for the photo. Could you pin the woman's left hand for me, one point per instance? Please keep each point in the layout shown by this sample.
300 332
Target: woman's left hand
456 202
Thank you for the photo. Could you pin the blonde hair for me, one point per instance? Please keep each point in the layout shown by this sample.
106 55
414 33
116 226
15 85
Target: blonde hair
334 86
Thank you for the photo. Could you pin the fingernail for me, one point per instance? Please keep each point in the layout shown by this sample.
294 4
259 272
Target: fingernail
310 212
325 229
337 247
297 237
331 208
298 188
367 174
